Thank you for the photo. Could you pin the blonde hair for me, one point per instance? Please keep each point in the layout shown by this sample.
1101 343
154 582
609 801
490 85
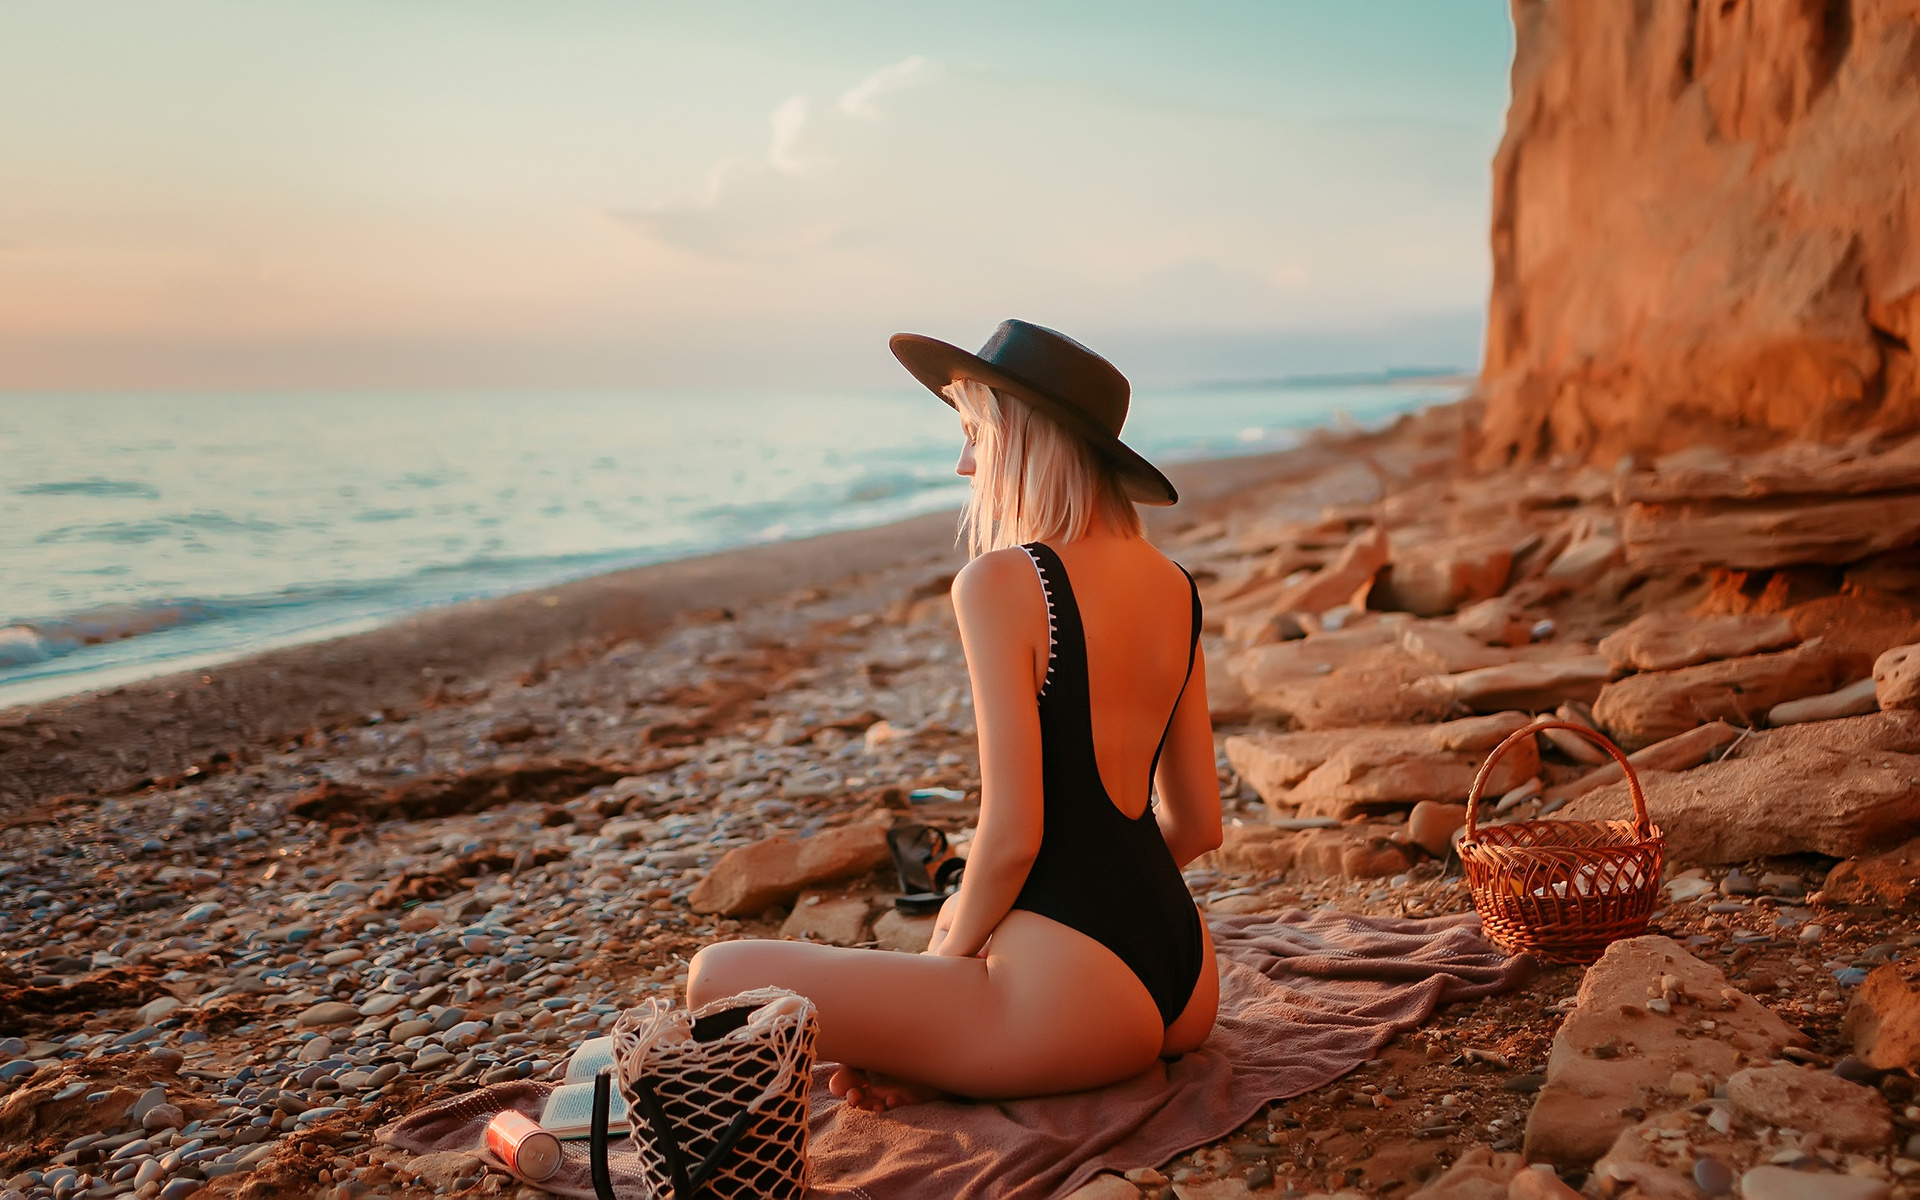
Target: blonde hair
1032 480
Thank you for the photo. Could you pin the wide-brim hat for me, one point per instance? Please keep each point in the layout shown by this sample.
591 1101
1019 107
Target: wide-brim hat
1084 393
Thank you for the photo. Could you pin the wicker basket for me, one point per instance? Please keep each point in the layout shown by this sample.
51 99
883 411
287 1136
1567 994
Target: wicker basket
1563 890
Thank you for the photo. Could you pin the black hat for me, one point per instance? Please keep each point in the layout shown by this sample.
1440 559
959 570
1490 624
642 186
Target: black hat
1056 375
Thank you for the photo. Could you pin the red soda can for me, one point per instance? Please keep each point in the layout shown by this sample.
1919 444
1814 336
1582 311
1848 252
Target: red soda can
528 1150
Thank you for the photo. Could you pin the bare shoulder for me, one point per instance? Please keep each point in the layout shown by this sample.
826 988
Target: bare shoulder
997 578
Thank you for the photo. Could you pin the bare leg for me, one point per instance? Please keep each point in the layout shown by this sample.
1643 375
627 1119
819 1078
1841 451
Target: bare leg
1047 1010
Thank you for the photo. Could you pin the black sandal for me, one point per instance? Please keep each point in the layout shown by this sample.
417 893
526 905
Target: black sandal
929 870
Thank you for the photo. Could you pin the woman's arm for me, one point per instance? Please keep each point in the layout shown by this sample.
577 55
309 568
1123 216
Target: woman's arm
1001 609
1187 781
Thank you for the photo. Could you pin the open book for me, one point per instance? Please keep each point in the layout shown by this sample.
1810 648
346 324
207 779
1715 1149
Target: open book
569 1110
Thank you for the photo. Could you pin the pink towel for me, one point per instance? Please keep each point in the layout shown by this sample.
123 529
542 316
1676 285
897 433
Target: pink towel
1305 997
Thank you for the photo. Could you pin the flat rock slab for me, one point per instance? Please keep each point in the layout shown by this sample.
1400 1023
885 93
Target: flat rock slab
835 920
1667 641
1612 1053
1883 1020
1681 753
1890 880
751 879
1344 852
1478 1174
1354 772
894 930
1767 534
1784 1183
1532 686
1823 788
1642 709
1846 1115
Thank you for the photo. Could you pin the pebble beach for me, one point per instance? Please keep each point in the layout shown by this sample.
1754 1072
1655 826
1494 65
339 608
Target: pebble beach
240 937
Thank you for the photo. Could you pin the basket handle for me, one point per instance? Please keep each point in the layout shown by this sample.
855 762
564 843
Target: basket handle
1642 824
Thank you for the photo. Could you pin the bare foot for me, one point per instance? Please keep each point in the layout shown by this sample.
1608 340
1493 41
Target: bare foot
873 1092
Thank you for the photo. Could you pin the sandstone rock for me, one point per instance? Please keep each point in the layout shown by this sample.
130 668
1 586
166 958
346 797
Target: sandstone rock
1440 576
1592 549
1539 1183
1667 641
750 879
1376 770
1896 678
1336 582
1578 1112
1264 668
835 920
1571 744
442 1170
1890 880
1766 534
1431 826
1449 649
1846 1115
1853 700
1883 1020
1784 1183
1497 622
1478 1174
1227 701
1753 281
893 930
1250 848
1681 753
1343 852
1825 788
1350 852
1642 709
1533 686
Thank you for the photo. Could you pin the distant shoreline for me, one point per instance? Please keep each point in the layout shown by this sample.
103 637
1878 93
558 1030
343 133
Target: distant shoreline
160 727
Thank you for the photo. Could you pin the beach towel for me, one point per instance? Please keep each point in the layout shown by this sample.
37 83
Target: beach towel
1305 997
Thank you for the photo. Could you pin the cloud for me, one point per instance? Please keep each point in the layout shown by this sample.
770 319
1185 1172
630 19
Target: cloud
860 99
788 121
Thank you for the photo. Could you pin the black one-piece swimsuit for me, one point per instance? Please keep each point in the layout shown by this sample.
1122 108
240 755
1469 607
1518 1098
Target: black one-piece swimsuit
1108 876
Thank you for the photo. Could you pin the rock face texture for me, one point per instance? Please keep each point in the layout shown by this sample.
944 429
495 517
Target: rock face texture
1706 227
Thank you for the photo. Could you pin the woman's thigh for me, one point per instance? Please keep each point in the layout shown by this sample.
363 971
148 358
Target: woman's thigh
1048 1009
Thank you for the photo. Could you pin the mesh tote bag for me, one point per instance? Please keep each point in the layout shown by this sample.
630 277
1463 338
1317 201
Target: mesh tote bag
717 1098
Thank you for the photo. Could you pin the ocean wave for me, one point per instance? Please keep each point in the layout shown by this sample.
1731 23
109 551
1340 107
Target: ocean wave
92 486
38 641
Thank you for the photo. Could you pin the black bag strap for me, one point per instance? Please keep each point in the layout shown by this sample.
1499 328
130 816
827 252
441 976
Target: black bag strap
597 1137
687 1185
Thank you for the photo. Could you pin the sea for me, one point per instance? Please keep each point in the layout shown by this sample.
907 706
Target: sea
144 534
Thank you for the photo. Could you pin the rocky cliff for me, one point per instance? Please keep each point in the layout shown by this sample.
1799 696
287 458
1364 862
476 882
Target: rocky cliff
1706 226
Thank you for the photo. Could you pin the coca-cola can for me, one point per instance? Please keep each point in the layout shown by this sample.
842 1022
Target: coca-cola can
528 1150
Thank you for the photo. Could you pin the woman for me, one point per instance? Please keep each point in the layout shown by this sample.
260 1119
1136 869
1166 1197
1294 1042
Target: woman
1072 956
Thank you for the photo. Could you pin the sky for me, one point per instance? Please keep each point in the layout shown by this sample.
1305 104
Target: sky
472 193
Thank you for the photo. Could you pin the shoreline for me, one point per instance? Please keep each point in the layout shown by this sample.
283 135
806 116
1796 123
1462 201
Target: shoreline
124 737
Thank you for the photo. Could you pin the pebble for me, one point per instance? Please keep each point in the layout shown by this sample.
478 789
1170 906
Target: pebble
381 1004
149 1100
314 1050
19 1068
406 1030
327 1012
162 1116
156 1010
1712 1177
